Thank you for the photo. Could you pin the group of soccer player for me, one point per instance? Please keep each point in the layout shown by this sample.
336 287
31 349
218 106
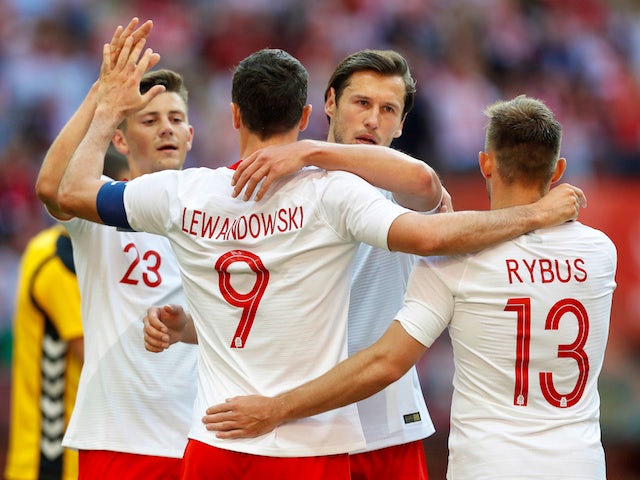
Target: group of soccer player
307 336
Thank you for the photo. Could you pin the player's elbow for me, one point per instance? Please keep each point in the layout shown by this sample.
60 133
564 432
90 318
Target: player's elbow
70 200
418 234
433 244
427 186
423 191
388 367
46 191
391 373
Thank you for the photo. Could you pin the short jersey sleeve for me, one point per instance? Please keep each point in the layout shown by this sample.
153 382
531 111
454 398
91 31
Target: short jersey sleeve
148 201
357 210
429 302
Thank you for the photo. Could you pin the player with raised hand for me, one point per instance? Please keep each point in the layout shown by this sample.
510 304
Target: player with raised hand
133 408
267 283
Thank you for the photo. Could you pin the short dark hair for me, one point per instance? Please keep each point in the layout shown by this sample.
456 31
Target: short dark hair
171 80
270 89
525 138
385 62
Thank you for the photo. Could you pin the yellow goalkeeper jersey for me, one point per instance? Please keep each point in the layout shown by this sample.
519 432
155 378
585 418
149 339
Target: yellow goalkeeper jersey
44 371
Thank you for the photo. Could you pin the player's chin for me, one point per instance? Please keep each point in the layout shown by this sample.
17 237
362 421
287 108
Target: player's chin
170 162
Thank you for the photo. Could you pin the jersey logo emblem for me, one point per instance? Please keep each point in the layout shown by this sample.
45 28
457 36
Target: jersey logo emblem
412 417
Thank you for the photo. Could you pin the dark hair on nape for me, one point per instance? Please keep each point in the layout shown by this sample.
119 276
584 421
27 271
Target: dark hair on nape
385 62
270 89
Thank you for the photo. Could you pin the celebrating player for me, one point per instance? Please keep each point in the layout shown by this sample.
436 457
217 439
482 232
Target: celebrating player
267 283
367 100
528 319
133 409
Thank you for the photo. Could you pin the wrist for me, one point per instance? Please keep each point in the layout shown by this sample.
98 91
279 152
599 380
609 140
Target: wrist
107 118
535 215
312 153
281 411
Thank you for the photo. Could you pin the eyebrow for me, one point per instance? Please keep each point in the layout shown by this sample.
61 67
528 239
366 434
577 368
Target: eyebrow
360 96
157 113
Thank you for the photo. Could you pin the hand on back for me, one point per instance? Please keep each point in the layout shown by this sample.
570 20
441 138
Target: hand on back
562 204
267 165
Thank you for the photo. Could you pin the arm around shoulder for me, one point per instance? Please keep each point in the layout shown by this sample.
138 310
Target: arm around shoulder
471 231
414 184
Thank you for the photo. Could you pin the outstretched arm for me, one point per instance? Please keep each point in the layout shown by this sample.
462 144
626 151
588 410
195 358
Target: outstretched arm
414 184
471 231
62 148
118 96
360 376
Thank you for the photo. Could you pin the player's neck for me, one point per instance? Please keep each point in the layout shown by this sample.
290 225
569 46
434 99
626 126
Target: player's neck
250 142
512 196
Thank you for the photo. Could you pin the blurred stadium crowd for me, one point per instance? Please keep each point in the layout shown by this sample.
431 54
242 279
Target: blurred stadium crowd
582 57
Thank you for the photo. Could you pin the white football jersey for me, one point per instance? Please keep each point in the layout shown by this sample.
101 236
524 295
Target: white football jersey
129 399
267 284
528 322
397 414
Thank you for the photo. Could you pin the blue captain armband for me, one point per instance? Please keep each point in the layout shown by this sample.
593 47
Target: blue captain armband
110 205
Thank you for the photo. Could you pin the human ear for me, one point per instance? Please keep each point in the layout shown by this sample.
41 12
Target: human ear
330 103
561 166
485 160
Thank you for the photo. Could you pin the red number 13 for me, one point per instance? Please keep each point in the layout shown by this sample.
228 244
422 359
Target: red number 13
575 350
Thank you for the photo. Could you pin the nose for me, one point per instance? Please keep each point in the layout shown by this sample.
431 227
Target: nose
371 120
166 127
